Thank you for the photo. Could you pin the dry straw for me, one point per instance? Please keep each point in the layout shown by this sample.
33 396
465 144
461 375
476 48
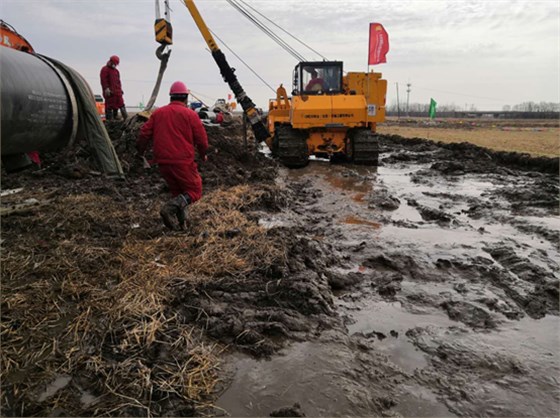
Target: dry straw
87 297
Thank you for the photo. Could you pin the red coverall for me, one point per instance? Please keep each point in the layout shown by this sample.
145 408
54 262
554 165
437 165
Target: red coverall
111 78
176 130
315 84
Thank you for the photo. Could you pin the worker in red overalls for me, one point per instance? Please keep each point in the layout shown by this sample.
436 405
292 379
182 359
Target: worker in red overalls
176 131
112 89
316 83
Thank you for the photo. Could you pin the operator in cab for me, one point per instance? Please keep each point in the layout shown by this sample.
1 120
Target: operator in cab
316 83
176 132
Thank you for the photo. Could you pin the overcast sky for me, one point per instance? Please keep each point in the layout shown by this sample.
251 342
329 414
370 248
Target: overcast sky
467 52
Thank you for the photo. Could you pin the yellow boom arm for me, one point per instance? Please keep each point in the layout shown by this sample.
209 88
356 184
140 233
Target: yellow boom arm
259 128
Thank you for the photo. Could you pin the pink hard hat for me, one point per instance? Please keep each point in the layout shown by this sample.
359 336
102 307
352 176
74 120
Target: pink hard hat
178 87
115 60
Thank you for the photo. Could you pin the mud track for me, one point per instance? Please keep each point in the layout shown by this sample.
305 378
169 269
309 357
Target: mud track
445 284
426 287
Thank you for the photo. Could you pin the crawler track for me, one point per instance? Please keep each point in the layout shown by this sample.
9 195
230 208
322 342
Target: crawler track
365 148
290 146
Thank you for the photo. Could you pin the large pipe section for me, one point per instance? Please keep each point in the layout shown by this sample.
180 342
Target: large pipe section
39 108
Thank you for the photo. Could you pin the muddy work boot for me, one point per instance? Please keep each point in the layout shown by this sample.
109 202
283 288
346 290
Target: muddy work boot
169 213
175 209
184 201
124 113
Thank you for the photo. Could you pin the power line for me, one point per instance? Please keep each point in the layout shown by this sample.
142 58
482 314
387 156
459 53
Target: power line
283 30
266 30
240 59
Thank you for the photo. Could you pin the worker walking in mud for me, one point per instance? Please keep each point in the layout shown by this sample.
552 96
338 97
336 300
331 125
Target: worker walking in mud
112 89
176 131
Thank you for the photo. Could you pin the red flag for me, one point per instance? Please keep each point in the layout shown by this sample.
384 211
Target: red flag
378 44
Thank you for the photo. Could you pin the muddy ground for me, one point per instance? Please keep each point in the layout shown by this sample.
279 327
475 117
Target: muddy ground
425 287
446 289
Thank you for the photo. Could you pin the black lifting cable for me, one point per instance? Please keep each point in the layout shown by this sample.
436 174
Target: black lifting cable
240 59
267 31
284 30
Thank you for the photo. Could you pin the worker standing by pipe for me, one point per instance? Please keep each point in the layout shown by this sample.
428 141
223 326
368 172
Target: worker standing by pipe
112 89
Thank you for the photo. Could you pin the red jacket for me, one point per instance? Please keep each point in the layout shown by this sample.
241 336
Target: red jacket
316 84
111 78
176 130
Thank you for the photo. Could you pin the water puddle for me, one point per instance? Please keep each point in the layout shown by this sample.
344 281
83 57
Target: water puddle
59 383
552 222
8 192
272 222
357 179
418 401
390 321
86 398
355 220
463 240
521 362
310 374
405 212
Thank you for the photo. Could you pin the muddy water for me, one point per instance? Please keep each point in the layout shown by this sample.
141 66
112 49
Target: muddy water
448 317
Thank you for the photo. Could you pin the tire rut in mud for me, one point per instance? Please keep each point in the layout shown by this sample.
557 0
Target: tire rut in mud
503 277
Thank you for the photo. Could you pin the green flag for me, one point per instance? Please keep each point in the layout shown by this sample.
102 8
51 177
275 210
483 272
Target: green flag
433 106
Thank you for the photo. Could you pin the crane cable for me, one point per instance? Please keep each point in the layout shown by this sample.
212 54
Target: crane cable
266 30
162 56
240 59
284 30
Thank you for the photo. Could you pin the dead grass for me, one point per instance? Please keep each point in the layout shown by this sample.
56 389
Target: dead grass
535 141
84 296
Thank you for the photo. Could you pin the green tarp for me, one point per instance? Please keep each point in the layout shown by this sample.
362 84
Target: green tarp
90 125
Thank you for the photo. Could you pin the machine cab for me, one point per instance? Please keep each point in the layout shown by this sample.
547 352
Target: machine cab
317 77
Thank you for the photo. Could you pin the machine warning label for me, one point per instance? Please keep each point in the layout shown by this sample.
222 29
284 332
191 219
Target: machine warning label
371 110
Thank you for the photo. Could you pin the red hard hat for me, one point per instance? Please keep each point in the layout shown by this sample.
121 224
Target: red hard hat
114 59
178 87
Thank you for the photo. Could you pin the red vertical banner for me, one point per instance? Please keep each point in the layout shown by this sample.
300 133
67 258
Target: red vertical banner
378 44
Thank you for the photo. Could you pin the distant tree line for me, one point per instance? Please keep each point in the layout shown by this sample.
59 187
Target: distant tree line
425 107
526 110
534 107
521 107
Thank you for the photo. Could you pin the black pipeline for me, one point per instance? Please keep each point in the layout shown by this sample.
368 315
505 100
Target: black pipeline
46 105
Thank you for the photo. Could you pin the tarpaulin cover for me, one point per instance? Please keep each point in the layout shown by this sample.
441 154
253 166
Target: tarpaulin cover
90 125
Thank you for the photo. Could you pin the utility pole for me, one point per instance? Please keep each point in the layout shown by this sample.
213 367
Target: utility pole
407 98
398 103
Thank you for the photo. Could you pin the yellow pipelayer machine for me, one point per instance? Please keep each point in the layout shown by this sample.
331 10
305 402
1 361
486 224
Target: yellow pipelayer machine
329 114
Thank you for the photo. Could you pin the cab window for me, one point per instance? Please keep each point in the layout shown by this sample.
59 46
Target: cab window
321 79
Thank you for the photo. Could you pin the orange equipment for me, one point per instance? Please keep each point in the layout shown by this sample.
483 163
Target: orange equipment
100 106
335 118
10 38
330 114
